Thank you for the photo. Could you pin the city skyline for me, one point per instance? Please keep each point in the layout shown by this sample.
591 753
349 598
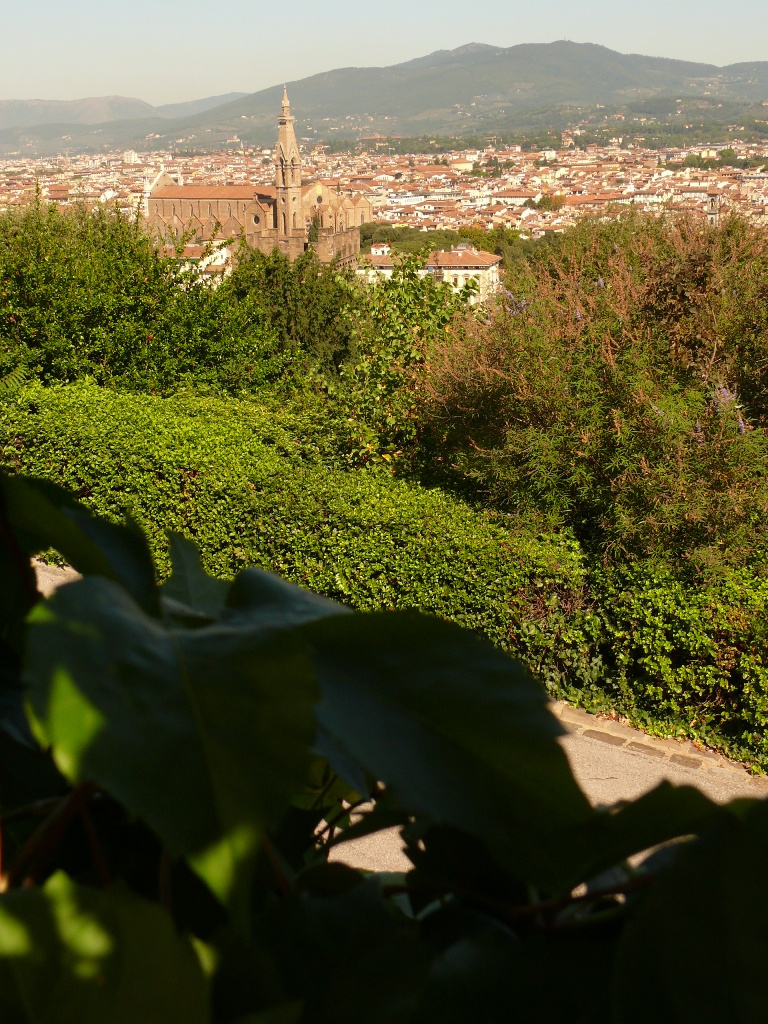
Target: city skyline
171 54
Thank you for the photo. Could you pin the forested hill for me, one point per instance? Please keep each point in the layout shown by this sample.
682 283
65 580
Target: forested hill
474 87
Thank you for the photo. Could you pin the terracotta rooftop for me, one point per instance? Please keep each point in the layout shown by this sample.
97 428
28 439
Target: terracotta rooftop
456 259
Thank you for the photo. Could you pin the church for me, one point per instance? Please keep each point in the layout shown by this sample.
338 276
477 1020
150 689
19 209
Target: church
289 216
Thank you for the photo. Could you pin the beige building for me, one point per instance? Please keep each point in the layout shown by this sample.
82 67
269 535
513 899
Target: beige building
455 268
289 216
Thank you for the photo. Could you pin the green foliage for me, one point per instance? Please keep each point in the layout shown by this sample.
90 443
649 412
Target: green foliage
253 486
405 316
618 388
304 303
71 953
106 913
250 486
87 293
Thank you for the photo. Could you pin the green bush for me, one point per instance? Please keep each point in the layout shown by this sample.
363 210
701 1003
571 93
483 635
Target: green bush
250 489
617 388
89 294
687 659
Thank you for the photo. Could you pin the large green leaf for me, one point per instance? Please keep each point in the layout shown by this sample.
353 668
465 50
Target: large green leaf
72 955
44 516
205 733
698 943
19 587
459 733
190 592
492 978
663 814
272 601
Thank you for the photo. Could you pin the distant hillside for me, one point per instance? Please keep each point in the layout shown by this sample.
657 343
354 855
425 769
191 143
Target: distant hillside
99 110
473 88
94 110
192 107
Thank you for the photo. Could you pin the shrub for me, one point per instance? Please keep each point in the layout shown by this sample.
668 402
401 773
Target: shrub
602 393
250 488
89 294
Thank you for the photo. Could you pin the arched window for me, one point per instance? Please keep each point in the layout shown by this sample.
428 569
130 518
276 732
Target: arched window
285 224
295 219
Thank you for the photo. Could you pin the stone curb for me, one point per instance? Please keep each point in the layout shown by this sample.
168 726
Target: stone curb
682 753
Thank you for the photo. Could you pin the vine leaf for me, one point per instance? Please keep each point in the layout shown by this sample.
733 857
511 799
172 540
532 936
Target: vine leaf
661 815
43 515
84 956
458 732
205 734
190 591
700 935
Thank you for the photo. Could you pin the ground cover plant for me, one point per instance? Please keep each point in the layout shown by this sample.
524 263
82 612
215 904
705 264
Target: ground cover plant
177 762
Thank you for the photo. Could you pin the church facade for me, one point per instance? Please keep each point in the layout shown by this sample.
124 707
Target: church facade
289 216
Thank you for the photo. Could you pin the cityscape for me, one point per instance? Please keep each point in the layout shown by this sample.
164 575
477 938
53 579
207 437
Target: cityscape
535 193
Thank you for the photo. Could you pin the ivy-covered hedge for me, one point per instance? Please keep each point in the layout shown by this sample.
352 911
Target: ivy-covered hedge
249 485
684 658
250 489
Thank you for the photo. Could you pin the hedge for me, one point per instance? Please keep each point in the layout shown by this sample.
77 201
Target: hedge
248 484
250 489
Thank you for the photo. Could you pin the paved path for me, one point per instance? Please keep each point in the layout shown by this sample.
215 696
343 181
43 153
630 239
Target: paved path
611 762
51 577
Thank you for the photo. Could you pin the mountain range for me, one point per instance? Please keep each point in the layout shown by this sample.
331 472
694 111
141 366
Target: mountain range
476 87
99 109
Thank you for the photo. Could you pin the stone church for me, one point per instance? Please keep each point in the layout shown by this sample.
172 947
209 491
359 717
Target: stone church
284 216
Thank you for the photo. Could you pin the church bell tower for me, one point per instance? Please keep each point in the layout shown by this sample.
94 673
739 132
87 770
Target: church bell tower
290 216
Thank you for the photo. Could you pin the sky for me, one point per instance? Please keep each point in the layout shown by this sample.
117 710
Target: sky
168 52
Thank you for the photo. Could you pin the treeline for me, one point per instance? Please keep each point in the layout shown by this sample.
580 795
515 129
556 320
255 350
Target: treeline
504 242
611 405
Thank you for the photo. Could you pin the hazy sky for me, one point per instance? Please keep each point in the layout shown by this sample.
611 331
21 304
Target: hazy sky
164 52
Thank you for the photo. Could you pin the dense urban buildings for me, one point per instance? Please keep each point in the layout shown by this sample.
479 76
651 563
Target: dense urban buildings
532 192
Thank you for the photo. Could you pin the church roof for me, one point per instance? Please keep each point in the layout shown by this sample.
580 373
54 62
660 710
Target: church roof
214 192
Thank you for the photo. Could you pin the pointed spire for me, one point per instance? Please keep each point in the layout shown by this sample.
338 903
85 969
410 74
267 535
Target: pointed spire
286 102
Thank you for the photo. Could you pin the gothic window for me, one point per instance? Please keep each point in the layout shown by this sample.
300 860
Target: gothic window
295 219
285 224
